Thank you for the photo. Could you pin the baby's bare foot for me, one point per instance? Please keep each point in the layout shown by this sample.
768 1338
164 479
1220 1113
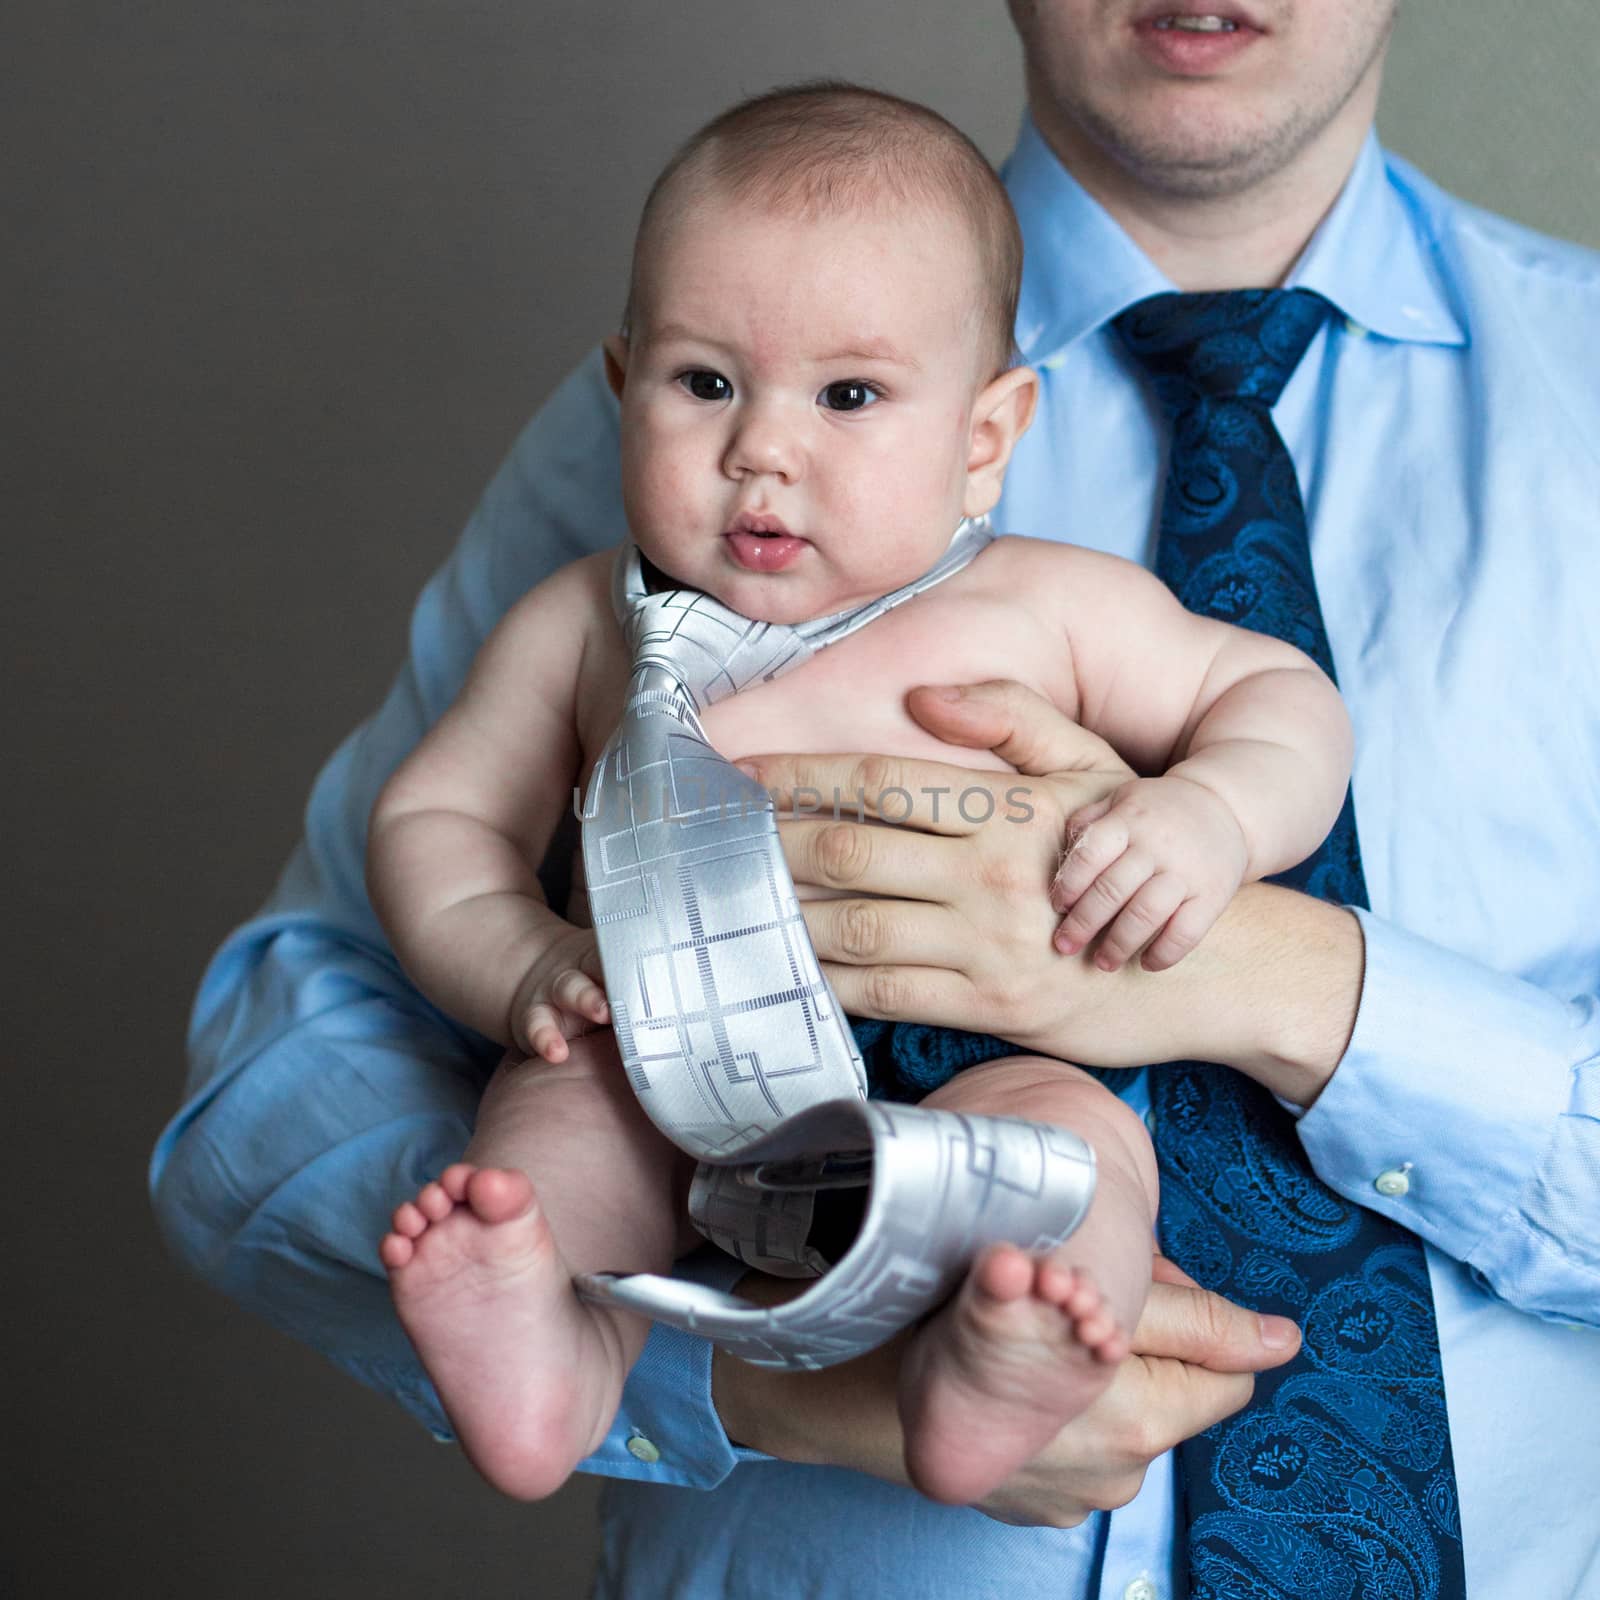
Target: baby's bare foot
1021 1349
529 1375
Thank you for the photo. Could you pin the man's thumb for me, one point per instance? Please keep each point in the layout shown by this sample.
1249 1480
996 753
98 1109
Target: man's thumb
1194 1325
1020 726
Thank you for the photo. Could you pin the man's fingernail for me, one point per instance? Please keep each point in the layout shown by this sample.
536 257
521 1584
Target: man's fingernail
945 691
1278 1333
748 768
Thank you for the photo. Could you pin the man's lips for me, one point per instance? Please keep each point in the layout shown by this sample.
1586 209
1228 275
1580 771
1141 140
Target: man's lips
1171 15
1196 40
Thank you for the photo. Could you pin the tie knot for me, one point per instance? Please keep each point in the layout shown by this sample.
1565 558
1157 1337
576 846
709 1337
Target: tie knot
1240 345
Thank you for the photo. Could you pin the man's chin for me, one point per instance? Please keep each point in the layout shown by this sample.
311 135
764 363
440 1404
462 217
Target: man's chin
1200 152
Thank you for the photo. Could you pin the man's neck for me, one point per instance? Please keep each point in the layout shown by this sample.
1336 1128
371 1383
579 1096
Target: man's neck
1247 239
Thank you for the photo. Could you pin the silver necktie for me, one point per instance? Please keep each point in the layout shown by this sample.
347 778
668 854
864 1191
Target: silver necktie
733 1040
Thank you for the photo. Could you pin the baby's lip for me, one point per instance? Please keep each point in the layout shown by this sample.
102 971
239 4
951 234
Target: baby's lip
757 522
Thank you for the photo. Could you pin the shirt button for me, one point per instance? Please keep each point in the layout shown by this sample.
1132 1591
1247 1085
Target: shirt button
1393 1182
1354 328
1140 1589
643 1449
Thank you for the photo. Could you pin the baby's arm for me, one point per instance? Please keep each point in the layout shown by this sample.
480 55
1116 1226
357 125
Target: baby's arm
458 831
1251 738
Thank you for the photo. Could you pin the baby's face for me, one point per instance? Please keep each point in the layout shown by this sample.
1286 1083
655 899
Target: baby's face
797 411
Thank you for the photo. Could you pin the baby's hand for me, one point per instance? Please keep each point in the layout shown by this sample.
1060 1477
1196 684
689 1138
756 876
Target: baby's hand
560 997
1162 856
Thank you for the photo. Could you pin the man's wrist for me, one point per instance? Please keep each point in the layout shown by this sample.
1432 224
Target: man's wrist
844 1416
1286 972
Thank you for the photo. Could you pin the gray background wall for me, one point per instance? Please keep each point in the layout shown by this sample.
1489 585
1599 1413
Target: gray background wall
282 280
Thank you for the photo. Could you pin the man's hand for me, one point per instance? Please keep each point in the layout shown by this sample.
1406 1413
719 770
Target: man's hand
954 923
1193 1358
948 921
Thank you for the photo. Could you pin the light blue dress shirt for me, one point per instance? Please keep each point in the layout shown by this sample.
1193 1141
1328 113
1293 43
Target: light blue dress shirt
1445 426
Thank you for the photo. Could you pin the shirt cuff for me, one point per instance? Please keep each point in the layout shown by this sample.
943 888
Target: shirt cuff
1442 1108
667 1430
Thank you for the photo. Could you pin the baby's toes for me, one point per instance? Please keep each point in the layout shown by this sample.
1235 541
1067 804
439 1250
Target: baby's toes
453 1180
395 1251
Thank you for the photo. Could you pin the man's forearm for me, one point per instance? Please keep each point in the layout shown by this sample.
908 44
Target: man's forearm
1272 991
1283 973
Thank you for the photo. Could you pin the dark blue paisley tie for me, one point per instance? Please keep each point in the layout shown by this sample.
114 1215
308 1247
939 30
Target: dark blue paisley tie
1336 1482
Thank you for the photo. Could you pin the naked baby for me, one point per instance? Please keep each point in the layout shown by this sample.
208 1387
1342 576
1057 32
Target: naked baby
816 382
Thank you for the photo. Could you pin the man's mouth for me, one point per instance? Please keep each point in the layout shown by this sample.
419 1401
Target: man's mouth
1202 24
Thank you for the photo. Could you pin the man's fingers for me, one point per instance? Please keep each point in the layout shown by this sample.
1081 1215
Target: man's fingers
1193 1325
925 796
1193 1399
870 932
933 995
1020 726
890 861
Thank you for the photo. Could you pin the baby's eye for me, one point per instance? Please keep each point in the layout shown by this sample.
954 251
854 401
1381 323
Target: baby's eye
850 395
706 385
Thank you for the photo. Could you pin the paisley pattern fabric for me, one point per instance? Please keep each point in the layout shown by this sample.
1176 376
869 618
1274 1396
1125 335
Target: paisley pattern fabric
1337 1481
907 1060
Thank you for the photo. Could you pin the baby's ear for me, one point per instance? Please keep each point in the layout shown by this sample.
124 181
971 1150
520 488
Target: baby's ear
616 352
1000 416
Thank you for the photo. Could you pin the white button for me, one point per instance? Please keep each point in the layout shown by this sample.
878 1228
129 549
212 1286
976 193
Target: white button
1140 1589
1393 1182
642 1449
1354 328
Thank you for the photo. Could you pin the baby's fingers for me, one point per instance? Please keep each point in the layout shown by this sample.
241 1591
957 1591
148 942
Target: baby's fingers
1092 845
1101 901
1189 925
577 992
542 1034
1146 915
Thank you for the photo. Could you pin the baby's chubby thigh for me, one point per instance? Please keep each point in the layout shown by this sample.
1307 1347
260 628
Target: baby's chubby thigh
1043 1089
601 1168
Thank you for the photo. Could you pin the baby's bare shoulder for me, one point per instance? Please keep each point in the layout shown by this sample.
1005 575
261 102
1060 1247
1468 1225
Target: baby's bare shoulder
1067 580
542 640
579 590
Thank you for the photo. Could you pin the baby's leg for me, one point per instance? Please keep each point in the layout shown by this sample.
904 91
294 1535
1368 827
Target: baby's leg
481 1267
1025 1345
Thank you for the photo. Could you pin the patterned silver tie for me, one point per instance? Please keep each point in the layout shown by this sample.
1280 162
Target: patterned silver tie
733 1040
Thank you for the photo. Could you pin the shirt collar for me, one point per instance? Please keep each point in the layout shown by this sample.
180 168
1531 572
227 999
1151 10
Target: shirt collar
1080 269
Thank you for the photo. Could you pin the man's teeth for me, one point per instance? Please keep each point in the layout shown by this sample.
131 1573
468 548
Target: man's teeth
1199 24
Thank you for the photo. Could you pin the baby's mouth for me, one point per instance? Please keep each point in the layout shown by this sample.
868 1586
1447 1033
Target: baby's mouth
758 523
761 543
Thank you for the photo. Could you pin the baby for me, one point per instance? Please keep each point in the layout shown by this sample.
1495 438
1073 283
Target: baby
816 384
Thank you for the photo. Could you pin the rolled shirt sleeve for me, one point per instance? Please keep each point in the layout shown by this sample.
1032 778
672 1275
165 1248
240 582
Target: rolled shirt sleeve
323 1089
1467 1108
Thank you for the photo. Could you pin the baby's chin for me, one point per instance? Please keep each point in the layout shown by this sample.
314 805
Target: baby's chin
810 589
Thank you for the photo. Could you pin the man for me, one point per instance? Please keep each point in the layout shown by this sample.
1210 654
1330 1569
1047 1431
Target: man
1442 1048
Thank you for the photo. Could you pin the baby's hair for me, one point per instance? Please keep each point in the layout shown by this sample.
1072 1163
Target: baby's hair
824 147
